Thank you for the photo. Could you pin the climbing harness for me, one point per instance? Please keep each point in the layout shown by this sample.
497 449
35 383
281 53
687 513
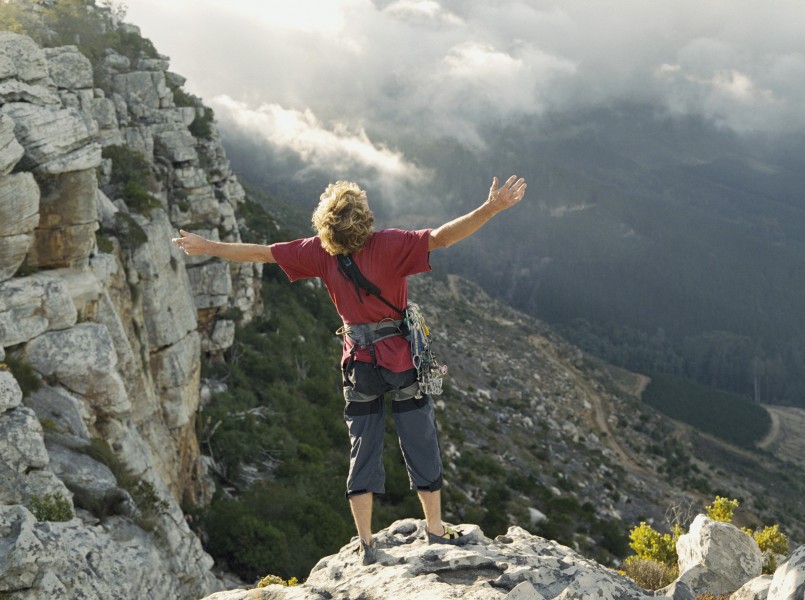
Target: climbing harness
411 326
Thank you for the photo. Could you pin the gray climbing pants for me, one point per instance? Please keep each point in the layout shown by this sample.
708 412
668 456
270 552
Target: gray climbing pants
365 391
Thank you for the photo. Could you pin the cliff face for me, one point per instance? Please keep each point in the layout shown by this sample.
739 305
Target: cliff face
100 308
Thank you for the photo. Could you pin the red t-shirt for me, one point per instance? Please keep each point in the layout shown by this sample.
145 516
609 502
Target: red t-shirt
387 258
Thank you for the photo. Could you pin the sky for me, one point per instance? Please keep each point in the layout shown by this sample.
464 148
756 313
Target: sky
338 81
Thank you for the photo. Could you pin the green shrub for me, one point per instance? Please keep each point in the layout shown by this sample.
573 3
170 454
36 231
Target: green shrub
721 509
201 127
771 542
137 199
277 580
51 507
104 244
648 543
649 574
128 165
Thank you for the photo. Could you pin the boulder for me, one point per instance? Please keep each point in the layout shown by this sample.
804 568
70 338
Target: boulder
68 68
83 360
788 582
56 140
30 306
717 558
21 58
754 589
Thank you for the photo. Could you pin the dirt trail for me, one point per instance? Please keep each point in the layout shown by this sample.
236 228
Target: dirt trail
774 430
786 438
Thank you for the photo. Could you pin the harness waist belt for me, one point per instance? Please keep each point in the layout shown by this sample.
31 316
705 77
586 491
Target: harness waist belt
365 334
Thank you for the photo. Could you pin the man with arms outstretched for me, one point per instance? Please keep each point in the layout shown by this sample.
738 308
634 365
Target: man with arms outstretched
343 222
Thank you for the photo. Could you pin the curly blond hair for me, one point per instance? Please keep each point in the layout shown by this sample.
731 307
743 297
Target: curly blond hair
343 219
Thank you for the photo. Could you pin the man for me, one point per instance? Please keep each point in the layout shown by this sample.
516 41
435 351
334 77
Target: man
343 222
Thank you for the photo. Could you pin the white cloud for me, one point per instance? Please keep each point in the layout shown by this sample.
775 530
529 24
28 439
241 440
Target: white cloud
446 67
339 147
424 12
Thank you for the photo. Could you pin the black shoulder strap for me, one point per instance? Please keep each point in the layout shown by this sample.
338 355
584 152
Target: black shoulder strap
351 271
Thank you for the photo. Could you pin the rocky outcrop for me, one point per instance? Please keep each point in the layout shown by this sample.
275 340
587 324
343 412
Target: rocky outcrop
111 318
517 566
521 566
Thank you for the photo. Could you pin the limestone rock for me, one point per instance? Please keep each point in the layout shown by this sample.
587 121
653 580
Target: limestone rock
788 582
67 223
177 371
13 249
175 146
68 68
755 589
19 215
483 569
10 392
83 360
23 447
93 485
30 306
168 309
222 337
211 284
69 560
19 488
19 204
21 58
717 558
10 150
56 140
58 407
142 90
18 91
19 548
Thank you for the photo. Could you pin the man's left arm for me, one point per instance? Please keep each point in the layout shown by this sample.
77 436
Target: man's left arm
194 245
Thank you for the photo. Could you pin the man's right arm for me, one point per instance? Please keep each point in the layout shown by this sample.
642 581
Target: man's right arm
194 245
499 199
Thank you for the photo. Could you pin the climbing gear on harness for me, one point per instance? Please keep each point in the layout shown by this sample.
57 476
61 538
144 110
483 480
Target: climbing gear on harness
412 327
430 372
